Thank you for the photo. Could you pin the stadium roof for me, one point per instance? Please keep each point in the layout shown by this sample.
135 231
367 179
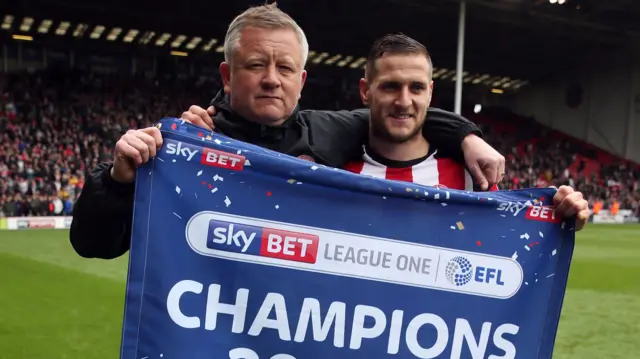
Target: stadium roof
508 41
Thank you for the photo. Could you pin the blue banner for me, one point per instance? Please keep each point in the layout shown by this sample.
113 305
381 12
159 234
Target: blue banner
239 252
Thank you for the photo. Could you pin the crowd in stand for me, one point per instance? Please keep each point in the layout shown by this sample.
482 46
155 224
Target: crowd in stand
56 126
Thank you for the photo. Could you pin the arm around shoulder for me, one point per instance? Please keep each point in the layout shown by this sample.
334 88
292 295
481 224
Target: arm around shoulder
447 130
102 216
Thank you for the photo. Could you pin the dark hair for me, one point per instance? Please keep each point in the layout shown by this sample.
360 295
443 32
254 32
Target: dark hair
393 44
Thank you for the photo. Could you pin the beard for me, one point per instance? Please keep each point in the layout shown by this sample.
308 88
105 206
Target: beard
380 131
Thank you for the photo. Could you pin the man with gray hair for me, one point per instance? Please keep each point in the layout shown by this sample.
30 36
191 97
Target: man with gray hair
263 76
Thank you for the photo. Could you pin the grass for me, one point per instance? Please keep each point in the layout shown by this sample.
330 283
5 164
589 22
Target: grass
57 305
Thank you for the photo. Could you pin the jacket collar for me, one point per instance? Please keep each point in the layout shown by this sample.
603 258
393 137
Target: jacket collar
230 123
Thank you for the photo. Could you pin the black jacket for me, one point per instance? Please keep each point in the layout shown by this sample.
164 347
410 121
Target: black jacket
102 216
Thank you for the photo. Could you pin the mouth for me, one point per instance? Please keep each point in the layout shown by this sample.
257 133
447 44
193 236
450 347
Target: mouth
268 97
400 116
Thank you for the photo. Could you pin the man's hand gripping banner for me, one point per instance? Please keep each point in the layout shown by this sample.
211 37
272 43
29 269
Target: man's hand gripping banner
239 252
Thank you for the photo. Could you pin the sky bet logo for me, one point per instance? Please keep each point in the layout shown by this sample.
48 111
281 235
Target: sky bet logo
264 242
206 156
533 212
460 272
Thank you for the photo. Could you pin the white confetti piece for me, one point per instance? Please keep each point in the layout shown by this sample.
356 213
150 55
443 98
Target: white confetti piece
453 227
550 275
447 194
227 201
217 141
536 280
383 197
298 182
524 236
426 193
177 215
277 206
239 152
526 283
503 236
514 256
541 235
173 160
503 215
200 173
490 199
554 252
160 159
218 178
214 190
178 190
527 248
149 173
443 204
562 225
182 122
202 138
436 196
195 194
247 163
313 168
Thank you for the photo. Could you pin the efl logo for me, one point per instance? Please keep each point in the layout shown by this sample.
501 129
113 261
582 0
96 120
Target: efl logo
207 156
543 213
459 271
274 243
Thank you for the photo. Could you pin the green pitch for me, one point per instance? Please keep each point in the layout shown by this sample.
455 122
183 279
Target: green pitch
56 305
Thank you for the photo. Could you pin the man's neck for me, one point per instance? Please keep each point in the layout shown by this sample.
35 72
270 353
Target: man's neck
401 152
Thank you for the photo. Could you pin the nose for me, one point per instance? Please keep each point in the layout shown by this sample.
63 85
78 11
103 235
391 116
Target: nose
404 98
271 78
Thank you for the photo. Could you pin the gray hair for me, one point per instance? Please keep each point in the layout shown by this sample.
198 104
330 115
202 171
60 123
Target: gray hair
262 17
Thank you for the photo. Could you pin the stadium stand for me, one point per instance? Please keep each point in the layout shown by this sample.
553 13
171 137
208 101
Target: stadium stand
57 125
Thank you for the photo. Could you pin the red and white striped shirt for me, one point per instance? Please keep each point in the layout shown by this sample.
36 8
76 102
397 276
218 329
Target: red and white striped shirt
433 170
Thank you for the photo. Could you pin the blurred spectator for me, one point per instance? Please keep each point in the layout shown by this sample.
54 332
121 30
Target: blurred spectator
56 126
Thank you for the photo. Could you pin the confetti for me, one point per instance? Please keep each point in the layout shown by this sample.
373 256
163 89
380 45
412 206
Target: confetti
514 256
460 225
527 248
313 168
562 225
178 190
239 152
524 236
277 206
181 122
214 190
227 201
195 194
426 193
409 189
383 197
174 126
218 178
453 227
554 252
478 243
247 163
291 181
217 141
436 196
177 215
443 204
503 215
208 138
447 194
526 283
268 194
160 159
173 160
550 275
298 182
200 173
541 235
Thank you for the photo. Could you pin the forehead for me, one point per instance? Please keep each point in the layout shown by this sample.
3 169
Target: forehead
403 67
278 42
